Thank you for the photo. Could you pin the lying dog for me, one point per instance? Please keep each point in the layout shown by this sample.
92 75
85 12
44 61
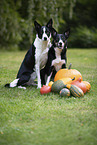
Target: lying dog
35 58
56 56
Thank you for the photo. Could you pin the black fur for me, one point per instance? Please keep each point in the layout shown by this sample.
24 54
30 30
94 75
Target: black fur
28 65
49 69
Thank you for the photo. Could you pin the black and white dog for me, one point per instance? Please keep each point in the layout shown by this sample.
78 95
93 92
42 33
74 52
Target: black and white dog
35 58
56 56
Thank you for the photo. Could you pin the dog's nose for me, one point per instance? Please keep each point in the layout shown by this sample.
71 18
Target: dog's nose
45 38
60 44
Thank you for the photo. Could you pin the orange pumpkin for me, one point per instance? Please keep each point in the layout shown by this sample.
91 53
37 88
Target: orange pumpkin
87 84
67 73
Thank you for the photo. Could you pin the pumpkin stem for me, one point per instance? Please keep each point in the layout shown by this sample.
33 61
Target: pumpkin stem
73 79
70 66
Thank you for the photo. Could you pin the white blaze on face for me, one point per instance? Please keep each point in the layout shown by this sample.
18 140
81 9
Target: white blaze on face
60 41
44 35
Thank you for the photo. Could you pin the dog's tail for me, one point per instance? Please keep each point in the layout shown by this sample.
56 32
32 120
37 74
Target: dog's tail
7 85
12 84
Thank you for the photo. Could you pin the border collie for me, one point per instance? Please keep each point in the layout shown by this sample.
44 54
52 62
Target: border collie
56 56
35 58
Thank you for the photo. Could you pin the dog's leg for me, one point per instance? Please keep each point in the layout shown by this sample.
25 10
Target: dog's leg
42 74
38 75
39 80
48 79
50 72
23 81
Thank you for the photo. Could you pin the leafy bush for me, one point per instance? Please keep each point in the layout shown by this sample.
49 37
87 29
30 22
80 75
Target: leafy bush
17 21
10 33
25 42
83 37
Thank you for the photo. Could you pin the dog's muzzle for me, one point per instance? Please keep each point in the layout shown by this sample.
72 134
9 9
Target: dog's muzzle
60 45
44 38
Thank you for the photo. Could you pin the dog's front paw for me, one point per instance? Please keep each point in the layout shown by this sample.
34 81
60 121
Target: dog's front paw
20 87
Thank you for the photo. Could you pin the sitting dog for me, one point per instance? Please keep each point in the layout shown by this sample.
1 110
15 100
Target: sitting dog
56 56
35 58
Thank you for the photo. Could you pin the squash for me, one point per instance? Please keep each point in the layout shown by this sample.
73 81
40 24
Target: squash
65 92
57 86
50 83
87 84
60 84
75 91
80 84
67 73
45 89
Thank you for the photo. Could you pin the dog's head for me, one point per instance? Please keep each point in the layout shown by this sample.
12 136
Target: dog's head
60 40
44 32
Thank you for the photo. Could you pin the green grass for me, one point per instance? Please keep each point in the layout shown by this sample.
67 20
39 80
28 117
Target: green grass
28 118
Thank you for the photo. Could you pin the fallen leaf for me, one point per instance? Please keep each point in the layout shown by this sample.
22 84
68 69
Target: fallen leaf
2 132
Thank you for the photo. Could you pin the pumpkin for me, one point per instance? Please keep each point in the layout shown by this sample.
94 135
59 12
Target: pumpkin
75 91
67 80
45 89
65 92
67 73
50 83
87 84
80 84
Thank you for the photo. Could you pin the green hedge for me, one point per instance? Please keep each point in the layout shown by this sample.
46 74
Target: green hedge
83 37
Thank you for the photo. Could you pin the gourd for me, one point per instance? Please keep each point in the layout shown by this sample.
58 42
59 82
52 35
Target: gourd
80 84
45 89
65 92
87 84
67 73
57 86
60 84
75 91
50 83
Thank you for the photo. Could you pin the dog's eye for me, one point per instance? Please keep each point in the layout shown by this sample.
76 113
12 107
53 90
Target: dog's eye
47 32
63 39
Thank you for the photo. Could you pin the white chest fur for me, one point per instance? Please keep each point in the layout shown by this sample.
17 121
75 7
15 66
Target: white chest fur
58 62
40 56
41 51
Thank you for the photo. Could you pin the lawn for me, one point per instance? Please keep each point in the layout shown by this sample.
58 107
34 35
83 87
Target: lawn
28 118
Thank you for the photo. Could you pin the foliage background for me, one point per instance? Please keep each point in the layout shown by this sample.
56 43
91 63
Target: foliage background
17 21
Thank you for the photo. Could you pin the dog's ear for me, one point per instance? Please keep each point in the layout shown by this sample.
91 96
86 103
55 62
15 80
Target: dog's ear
49 24
37 26
53 32
67 33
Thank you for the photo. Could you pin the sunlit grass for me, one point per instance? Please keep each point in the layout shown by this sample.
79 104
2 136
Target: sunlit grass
28 118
